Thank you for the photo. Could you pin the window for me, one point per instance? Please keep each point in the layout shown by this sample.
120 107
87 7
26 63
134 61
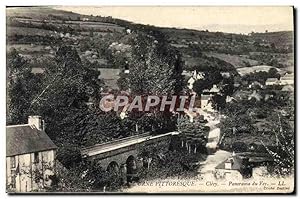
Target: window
36 157
45 157
13 162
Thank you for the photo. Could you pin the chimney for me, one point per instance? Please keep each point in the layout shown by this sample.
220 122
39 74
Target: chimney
37 122
229 163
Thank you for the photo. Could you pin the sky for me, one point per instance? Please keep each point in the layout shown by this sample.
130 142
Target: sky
225 19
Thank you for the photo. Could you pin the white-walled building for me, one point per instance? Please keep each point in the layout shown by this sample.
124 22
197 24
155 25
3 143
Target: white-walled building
206 102
30 156
287 79
272 81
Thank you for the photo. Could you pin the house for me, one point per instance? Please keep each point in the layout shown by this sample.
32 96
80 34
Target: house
206 101
191 82
214 89
229 99
229 169
30 156
193 77
287 79
206 91
272 81
244 165
207 96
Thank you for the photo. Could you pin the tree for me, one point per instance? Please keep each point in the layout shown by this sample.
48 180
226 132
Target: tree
155 69
66 87
242 121
273 46
262 76
212 68
194 133
84 177
284 152
21 87
236 123
155 61
273 73
211 78
218 101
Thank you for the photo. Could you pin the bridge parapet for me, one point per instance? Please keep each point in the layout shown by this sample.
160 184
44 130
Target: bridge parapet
121 143
119 150
108 146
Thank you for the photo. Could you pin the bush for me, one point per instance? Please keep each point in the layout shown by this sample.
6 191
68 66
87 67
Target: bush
68 155
239 147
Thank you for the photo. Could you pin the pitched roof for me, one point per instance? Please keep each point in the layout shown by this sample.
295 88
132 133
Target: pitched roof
287 78
291 76
23 139
205 91
272 80
235 165
205 97
214 89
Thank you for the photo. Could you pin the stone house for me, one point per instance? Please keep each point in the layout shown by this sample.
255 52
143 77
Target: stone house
30 156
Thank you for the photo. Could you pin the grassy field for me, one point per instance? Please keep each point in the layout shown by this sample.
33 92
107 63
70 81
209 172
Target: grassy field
286 60
28 31
247 70
235 60
25 47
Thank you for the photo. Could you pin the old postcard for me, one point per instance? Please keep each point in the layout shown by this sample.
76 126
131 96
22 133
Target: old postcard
150 99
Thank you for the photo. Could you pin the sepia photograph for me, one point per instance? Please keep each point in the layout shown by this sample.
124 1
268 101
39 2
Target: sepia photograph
150 100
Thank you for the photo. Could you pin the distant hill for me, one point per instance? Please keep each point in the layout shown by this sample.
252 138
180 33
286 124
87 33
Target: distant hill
39 30
283 39
40 13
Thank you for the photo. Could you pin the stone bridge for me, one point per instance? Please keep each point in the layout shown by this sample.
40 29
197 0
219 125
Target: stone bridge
121 156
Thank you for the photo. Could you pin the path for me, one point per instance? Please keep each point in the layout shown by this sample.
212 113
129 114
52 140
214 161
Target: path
208 166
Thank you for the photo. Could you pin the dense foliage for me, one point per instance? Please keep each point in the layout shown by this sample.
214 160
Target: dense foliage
263 125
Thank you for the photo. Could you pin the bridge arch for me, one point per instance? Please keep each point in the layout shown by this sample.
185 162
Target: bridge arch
131 168
113 168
